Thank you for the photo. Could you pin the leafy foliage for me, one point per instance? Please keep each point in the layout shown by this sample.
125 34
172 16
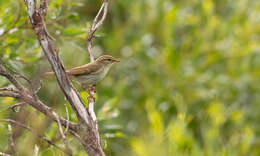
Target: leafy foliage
187 83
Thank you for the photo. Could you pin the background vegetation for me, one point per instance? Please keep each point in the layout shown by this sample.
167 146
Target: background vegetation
187 84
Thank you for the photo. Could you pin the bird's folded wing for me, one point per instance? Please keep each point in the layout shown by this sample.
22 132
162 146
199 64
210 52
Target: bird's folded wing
86 69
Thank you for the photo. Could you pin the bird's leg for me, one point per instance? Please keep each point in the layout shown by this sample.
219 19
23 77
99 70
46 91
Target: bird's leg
94 88
92 91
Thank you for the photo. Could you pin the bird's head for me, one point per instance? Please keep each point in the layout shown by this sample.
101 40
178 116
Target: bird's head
107 59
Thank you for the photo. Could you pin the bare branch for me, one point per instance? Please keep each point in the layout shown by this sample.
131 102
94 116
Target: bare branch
16 74
4 154
32 131
11 140
97 16
104 15
91 102
39 105
36 150
68 119
68 149
88 127
92 88
30 97
95 25
31 8
71 94
39 88
4 73
20 104
9 94
8 89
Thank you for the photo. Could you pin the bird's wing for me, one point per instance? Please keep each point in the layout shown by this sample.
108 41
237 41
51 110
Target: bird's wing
85 69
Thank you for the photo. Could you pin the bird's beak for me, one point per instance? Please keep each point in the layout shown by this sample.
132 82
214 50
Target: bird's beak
115 60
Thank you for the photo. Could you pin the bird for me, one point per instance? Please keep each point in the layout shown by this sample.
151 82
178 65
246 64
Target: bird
91 73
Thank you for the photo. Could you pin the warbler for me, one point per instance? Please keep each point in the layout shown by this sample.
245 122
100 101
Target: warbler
91 73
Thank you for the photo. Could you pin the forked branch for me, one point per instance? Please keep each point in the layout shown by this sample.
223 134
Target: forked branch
87 121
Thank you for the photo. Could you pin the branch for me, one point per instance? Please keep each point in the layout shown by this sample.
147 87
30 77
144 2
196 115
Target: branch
9 94
68 118
29 97
71 94
20 104
11 140
33 131
8 89
4 154
96 24
92 88
87 125
4 73
36 150
68 149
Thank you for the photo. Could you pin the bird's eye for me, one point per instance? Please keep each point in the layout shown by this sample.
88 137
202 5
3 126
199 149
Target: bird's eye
109 59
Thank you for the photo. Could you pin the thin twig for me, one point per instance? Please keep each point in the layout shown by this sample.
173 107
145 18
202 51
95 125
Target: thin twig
4 154
68 119
11 140
95 25
4 73
39 88
16 74
10 94
104 15
68 149
8 89
36 150
92 88
69 91
87 128
91 101
32 131
28 96
19 105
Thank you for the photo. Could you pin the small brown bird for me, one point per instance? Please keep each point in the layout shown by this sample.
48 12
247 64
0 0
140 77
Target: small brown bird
91 73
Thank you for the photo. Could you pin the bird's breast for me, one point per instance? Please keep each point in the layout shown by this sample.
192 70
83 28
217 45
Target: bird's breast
94 77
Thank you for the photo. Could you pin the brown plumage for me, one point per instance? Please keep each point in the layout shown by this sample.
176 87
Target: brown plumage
91 73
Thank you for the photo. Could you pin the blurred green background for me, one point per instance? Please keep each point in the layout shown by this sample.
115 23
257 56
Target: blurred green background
187 84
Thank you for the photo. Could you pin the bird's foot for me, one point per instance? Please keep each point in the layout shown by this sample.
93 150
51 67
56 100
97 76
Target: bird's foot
92 88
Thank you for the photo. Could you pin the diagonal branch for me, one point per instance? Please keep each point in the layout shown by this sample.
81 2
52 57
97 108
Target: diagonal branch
4 73
29 97
4 154
71 94
20 104
11 140
32 131
8 89
68 149
96 24
36 150
88 130
9 94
